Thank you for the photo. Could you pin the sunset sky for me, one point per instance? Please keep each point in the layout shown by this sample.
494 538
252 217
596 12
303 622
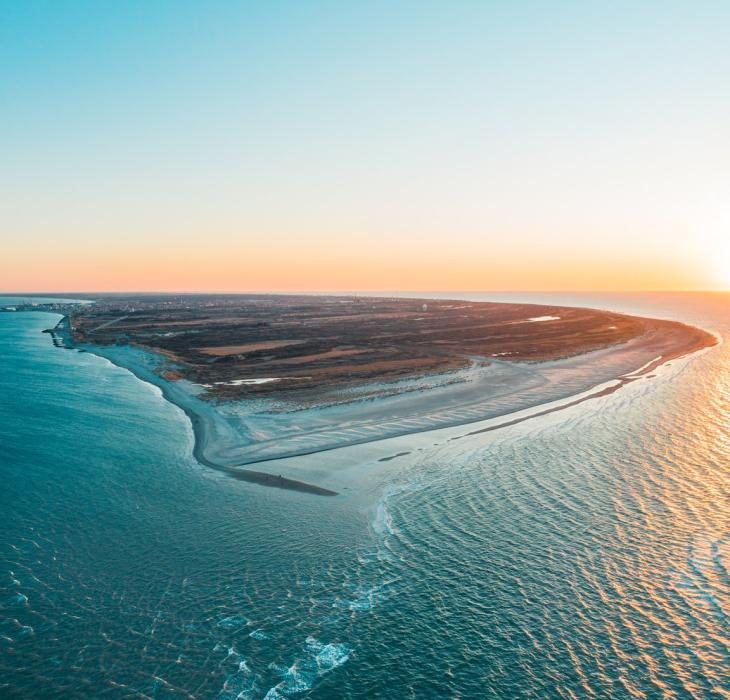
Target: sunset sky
364 146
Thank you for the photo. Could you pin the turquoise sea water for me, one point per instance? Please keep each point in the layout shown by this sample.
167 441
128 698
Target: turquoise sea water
582 554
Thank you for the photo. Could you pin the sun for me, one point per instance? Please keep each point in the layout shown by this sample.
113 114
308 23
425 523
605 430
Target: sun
721 266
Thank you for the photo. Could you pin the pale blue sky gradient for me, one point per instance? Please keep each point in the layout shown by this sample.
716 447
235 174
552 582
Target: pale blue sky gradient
404 142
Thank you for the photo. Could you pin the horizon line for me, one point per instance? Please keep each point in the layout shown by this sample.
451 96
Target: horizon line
348 292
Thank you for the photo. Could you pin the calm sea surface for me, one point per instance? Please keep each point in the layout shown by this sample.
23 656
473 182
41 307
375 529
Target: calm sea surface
584 554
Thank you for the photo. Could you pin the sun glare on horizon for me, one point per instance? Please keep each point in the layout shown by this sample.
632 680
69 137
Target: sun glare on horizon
724 270
719 257
365 350
367 145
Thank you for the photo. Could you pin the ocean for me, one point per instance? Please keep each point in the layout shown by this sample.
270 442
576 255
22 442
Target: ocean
580 554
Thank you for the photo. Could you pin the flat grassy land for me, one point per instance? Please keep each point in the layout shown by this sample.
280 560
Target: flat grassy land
242 346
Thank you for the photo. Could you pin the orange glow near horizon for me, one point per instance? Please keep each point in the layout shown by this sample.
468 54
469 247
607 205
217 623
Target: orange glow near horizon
263 148
238 271
721 266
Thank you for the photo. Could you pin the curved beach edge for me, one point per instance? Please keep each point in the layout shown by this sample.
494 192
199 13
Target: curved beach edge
513 417
61 337
204 421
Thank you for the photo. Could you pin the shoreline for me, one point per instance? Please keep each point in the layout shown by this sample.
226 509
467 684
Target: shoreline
230 435
223 445
200 423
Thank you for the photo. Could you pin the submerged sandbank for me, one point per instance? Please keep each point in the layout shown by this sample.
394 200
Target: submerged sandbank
230 435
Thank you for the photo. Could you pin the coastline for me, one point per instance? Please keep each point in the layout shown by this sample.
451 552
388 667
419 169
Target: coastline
228 441
206 426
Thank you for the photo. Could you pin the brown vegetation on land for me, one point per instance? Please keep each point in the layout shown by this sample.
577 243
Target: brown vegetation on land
314 344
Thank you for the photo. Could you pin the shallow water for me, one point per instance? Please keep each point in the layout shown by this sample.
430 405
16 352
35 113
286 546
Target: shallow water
580 554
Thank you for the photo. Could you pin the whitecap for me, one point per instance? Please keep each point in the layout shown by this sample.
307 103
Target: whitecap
328 656
232 621
301 675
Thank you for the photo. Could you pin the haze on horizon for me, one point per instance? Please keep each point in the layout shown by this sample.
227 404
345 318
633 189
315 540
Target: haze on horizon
338 146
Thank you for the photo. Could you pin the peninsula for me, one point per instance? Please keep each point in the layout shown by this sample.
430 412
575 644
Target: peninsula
264 377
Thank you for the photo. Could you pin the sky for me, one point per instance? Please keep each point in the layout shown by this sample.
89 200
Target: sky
316 146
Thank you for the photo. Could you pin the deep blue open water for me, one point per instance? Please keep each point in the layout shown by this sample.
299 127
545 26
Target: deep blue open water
584 554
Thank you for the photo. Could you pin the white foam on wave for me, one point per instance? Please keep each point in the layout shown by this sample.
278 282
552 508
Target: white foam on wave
365 598
232 621
240 682
259 635
328 656
370 588
301 675
383 523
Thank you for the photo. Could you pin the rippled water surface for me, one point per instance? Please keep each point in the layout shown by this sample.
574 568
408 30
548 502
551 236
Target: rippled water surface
582 554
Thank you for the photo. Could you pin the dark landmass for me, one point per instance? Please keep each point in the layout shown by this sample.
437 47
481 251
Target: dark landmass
306 352
276 481
395 456
296 347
